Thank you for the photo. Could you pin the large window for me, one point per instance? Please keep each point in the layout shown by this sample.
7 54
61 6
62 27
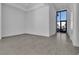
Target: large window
63 15
61 21
58 17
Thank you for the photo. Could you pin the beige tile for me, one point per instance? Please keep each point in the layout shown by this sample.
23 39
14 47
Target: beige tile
59 44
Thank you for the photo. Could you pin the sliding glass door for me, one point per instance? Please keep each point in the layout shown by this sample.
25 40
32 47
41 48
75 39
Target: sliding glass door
61 21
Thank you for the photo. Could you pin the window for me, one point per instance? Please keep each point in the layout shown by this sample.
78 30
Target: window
63 15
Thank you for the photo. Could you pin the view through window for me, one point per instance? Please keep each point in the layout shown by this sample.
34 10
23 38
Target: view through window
61 21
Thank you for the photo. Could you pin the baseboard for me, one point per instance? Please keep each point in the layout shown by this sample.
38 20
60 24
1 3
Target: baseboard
24 34
76 45
28 34
36 34
53 34
12 35
68 36
0 38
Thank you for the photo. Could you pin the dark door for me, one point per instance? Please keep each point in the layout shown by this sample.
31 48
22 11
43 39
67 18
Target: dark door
61 21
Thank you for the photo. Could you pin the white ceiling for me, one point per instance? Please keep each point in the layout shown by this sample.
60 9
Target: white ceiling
32 6
27 6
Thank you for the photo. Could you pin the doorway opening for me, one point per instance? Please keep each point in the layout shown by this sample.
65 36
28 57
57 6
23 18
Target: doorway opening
61 21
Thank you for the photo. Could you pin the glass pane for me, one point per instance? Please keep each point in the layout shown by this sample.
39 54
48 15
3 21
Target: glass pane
63 26
58 16
63 15
58 26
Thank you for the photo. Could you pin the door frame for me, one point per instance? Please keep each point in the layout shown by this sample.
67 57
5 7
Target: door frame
60 18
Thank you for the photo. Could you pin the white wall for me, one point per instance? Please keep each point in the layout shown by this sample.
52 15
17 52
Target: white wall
52 20
76 26
41 21
0 20
75 38
12 21
37 21
69 23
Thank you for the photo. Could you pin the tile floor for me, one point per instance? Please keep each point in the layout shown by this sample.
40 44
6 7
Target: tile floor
58 44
